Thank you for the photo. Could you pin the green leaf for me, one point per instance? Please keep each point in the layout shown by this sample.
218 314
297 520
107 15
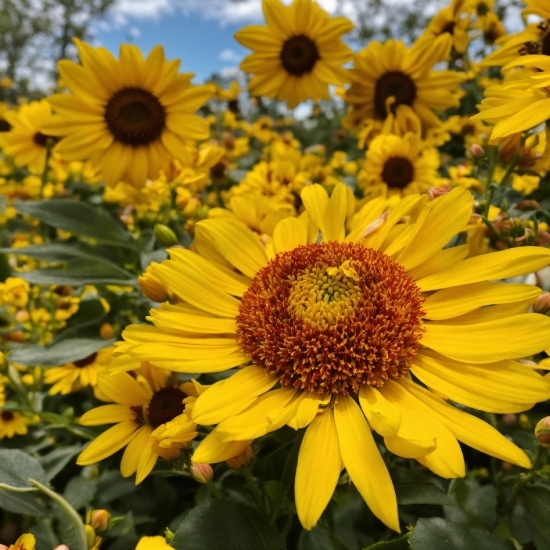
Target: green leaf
414 488
440 534
23 503
316 539
78 218
537 499
223 525
402 543
477 503
53 252
64 352
55 461
79 272
72 527
90 312
80 491
16 467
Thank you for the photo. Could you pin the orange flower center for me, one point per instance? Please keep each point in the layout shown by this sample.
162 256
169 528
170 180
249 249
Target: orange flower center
330 317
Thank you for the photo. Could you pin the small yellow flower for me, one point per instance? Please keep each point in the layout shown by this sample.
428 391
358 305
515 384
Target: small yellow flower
24 542
12 423
15 292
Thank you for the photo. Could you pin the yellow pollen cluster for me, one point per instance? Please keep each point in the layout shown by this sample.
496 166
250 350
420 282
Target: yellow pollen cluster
322 296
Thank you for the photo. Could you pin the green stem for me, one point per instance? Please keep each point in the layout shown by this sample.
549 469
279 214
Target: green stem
525 478
215 491
254 489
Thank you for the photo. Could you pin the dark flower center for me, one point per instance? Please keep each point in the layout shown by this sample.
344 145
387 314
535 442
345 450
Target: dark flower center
482 9
393 84
135 116
42 139
545 44
81 363
165 405
299 55
5 126
448 28
398 172
7 416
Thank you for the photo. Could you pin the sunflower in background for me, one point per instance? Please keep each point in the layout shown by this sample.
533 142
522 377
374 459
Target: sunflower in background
452 23
128 116
399 165
298 54
343 329
78 374
12 423
388 75
27 141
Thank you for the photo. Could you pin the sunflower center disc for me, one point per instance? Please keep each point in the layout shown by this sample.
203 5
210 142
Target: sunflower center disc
398 172
330 317
81 363
7 416
135 116
5 126
393 84
165 405
299 55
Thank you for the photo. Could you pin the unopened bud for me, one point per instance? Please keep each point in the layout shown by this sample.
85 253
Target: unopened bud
164 235
61 547
509 420
434 192
100 520
152 287
106 331
542 432
3 547
242 459
202 473
542 304
477 150
528 205
524 422
90 535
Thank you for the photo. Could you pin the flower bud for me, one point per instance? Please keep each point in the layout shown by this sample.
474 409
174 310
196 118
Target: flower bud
524 422
164 235
477 150
241 459
434 192
528 205
510 420
100 520
152 287
61 547
106 331
202 473
90 535
3 547
542 304
542 432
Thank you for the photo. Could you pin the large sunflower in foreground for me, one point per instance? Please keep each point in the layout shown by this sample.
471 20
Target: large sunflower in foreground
128 116
340 335
298 54
388 75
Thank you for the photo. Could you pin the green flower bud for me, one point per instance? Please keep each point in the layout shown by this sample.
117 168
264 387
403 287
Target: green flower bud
164 235
542 432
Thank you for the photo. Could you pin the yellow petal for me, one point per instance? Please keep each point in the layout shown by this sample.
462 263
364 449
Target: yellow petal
212 449
487 267
318 470
288 234
455 301
108 443
123 389
232 396
363 462
132 453
440 261
383 416
315 199
106 414
147 461
335 214
508 338
471 430
307 410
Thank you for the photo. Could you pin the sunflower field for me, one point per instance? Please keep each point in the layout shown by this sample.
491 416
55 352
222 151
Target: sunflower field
224 326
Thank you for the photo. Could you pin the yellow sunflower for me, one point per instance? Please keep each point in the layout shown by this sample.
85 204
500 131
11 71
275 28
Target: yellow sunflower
12 423
298 54
128 116
334 334
78 374
451 22
26 140
521 104
151 420
400 165
24 542
388 75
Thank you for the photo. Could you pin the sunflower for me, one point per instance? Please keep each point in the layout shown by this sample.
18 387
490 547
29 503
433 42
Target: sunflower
521 104
12 423
452 22
24 542
298 54
388 75
339 335
400 165
27 140
129 117
78 374
151 420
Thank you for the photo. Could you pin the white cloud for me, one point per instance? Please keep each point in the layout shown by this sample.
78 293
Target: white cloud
134 33
229 55
229 72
